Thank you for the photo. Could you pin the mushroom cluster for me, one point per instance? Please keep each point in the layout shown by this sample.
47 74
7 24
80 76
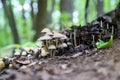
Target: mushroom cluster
53 42
91 32
67 41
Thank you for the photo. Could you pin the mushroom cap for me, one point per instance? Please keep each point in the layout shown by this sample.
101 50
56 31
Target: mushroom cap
44 52
45 30
63 45
60 46
24 53
17 53
95 23
101 19
45 37
57 35
69 43
74 27
64 37
2 64
49 33
52 47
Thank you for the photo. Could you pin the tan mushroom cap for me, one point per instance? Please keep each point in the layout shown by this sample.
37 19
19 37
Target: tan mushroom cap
64 37
69 43
63 45
58 35
44 52
45 37
45 30
2 64
49 33
52 47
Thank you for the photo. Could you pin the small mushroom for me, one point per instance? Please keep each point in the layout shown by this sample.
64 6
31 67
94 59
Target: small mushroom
45 30
101 19
49 33
2 64
52 48
10 65
64 45
69 43
112 28
24 53
45 39
75 31
17 54
44 52
57 36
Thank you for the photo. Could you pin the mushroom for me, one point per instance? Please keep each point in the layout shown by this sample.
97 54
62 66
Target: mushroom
49 33
45 30
64 45
10 65
45 40
62 39
93 40
112 28
57 36
17 53
2 64
52 48
75 31
44 52
69 43
101 19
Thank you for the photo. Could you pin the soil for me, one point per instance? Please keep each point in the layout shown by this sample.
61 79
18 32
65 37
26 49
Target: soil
102 65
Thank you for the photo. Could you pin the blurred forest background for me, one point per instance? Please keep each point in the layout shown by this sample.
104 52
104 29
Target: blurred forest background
22 20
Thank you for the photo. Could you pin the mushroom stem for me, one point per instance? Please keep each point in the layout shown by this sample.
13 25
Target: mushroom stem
112 30
107 26
46 45
101 24
93 42
70 35
56 42
51 54
75 37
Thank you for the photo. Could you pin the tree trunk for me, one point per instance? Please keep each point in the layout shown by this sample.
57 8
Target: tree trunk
117 18
51 11
9 13
86 10
32 9
67 6
41 18
99 8
33 16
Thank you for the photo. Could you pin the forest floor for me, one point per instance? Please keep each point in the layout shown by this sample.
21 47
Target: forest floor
103 65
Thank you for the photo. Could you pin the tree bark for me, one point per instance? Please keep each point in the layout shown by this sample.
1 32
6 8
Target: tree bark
67 6
9 13
86 10
51 11
33 15
117 18
32 9
99 8
41 18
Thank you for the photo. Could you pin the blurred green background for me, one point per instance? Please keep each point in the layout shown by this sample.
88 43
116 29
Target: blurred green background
22 20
